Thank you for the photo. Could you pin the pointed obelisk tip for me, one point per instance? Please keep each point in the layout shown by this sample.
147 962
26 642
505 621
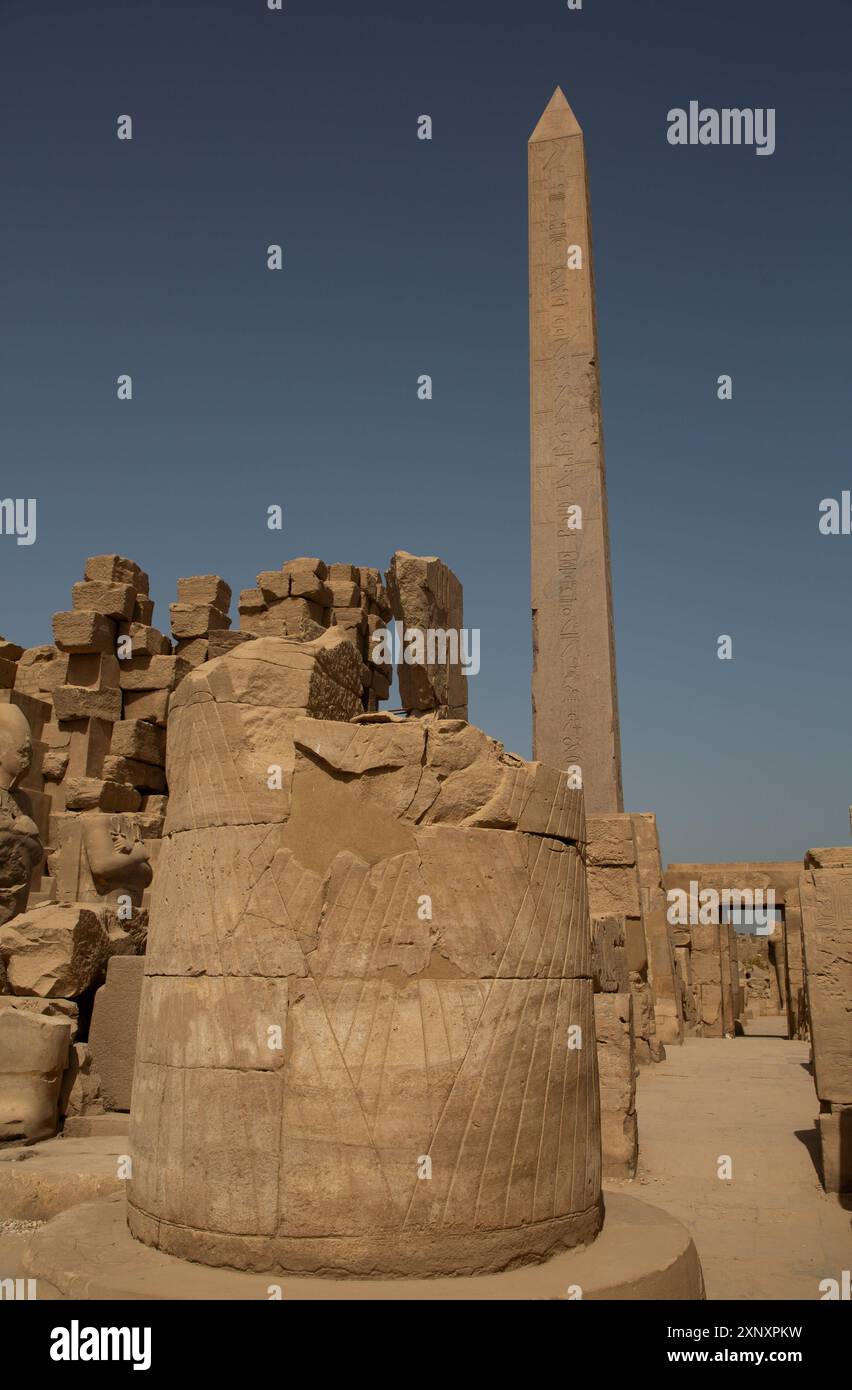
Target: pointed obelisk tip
557 120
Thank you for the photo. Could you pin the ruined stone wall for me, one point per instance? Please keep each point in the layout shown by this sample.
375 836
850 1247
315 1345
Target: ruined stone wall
826 901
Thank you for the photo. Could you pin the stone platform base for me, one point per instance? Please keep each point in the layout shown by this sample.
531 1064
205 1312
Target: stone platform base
88 1253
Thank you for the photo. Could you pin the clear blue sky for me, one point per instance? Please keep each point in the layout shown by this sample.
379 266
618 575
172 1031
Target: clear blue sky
402 257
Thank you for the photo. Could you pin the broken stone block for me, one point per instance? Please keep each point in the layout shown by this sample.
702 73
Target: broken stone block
54 951
116 569
93 670
80 1092
84 631
196 619
308 586
10 651
221 642
33 1054
112 600
272 585
140 740
96 794
134 773
81 702
8 671
144 640
153 672
112 1037
143 611
51 1008
195 650
426 595
205 589
150 705
99 858
40 670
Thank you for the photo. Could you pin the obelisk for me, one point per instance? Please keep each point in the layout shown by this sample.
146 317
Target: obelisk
575 702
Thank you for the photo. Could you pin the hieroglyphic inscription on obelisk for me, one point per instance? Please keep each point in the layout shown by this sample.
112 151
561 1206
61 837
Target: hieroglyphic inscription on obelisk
575 703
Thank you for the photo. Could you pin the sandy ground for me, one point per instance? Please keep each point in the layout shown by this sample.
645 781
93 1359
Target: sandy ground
771 1232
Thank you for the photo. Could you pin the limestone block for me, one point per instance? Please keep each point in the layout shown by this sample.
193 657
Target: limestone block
826 899
134 773
116 569
613 891
271 585
112 600
195 650
343 574
40 670
253 601
196 619
96 794
426 595
33 1054
143 611
609 956
610 840
422 982
150 705
80 1092
92 670
50 1008
221 642
306 565
88 742
144 640
8 671
344 594
84 631
617 1070
112 1036
81 702
54 951
141 740
153 672
205 589
836 857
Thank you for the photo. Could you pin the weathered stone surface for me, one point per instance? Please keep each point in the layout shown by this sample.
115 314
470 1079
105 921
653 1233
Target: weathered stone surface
33 1053
112 1036
80 1093
610 840
424 975
136 774
205 589
96 794
153 672
425 595
151 705
610 968
82 702
613 891
50 1008
99 857
196 619
137 738
115 569
40 670
112 600
826 898
84 631
617 1070
54 951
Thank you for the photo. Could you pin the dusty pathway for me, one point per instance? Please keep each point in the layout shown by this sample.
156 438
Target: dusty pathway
771 1232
